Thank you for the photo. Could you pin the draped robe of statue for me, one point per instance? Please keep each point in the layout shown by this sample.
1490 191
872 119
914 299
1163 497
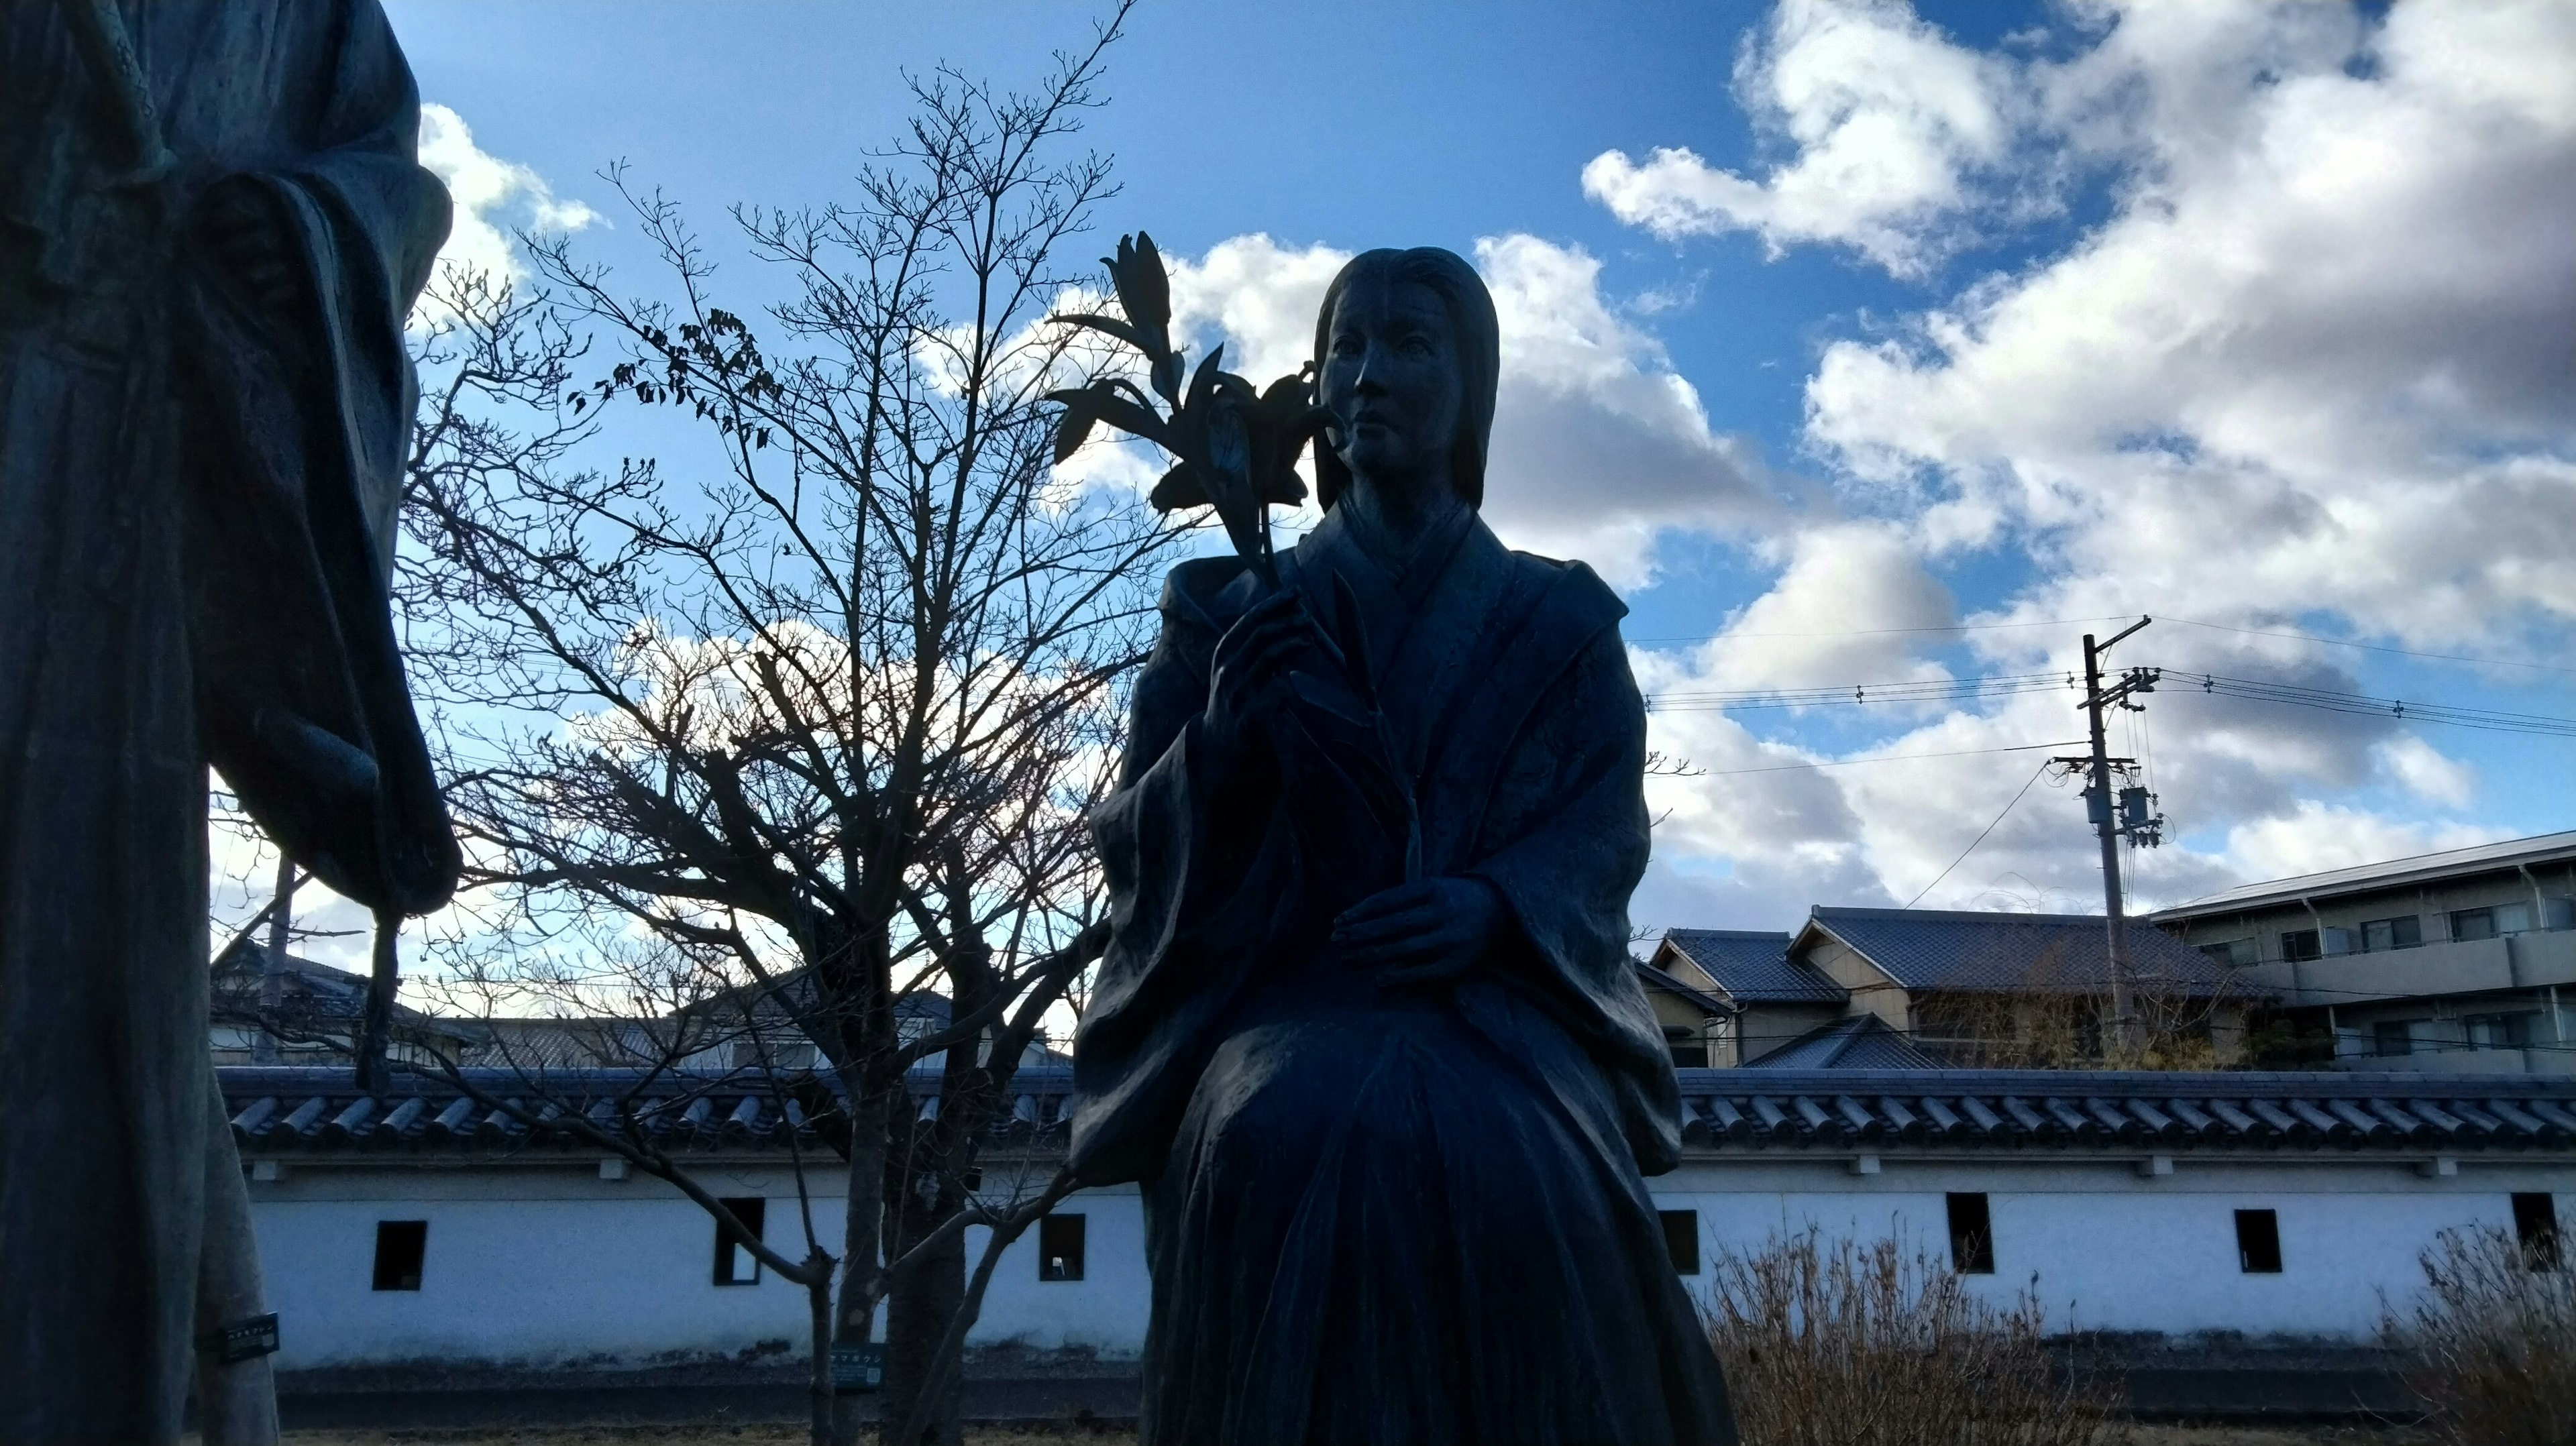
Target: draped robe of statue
196 524
1411 1215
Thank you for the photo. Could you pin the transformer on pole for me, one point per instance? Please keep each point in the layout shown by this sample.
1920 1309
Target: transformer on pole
2128 811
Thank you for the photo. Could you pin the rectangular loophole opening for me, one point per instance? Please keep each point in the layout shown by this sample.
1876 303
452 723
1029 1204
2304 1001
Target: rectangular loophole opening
736 1262
2535 1224
401 1246
1972 1235
2258 1242
1681 1239
1060 1241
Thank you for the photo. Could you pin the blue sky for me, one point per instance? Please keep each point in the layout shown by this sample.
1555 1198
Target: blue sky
1829 318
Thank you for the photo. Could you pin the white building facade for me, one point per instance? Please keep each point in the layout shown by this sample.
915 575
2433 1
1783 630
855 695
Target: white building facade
2290 1206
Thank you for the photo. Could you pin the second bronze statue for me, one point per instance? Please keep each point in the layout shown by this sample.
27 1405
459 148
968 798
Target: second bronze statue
1368 1034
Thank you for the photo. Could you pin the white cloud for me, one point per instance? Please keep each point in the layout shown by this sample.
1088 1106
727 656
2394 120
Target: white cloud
2316 365
1600 446
1894 129
2426 773
2321 836
489 194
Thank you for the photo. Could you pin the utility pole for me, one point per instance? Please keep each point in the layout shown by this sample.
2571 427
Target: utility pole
272 963
2115 814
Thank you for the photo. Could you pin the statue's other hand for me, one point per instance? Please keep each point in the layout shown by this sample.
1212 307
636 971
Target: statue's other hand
245 235
1247 679
1423 933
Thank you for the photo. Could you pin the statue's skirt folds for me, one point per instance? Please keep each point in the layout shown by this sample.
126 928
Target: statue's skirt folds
1374 1228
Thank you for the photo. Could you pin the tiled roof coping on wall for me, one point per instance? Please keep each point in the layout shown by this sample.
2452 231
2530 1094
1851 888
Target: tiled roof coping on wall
2077 1109
316 1110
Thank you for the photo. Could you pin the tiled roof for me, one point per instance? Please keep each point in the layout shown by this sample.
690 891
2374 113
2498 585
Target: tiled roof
319 1109
1940 949
314 998
1657 979
1754 968
2421 868
312 1110
1859 1041
2072 1110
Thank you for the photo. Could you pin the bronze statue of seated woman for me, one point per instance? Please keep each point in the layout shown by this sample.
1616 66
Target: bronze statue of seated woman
1367 1031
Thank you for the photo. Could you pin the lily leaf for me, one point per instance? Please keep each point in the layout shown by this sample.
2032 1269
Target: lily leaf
1110 324
1103 402
1071 431
1179 488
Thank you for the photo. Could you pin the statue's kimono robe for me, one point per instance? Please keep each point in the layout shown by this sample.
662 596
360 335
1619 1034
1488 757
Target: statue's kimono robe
196 522
1408 1215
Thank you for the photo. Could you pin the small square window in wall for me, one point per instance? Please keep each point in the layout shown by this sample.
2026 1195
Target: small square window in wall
1972 1235
1681 1239
1060 1242
736 1262
2535 1224
2392 1036
401 1246
2258 1242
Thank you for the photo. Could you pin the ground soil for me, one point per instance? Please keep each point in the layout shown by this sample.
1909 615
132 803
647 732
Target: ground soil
786 1435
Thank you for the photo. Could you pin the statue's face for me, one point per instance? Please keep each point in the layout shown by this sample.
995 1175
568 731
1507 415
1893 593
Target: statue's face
1391 380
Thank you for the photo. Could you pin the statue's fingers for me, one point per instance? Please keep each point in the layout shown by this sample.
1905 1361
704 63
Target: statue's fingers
1401 898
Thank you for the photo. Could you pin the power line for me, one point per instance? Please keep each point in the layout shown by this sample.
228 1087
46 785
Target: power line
1885 632
2368 647
1981 836
1889 758
1912 690
2398 709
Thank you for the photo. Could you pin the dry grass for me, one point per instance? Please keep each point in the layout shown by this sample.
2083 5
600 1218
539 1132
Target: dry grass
790 1435
1870 1344
2492 1342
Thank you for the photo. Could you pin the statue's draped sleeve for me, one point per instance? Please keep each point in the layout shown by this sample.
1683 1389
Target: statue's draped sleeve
1534 785
1188 922
299 426
1564 837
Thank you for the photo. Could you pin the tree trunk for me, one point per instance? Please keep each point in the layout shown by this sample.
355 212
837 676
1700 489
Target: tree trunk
821 1395
919 1310
862 1230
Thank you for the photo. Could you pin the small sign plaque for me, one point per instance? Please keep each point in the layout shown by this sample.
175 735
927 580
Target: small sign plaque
247 1339
858 1368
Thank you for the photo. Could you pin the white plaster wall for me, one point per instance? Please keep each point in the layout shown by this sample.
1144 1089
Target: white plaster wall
539 1282
2106 1250
1105 1311
547 1264
541 1266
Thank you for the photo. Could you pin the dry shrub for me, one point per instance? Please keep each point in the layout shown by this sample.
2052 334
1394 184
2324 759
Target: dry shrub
1875 1345
2491 1342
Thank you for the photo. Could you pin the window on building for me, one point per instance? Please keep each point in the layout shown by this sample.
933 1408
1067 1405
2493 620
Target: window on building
2513 918
2258 1242
2378 935
401 1246
2535 1224
1060 1241
1689 1048
2500 1031
1972 1235
2235 951
1681 1239
2300 945
2392 1036
2473 923
736 1263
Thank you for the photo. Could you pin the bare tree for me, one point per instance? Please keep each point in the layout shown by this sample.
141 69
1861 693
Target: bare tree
820 715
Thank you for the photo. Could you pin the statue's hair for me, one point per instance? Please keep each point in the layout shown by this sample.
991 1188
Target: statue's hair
1478 335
